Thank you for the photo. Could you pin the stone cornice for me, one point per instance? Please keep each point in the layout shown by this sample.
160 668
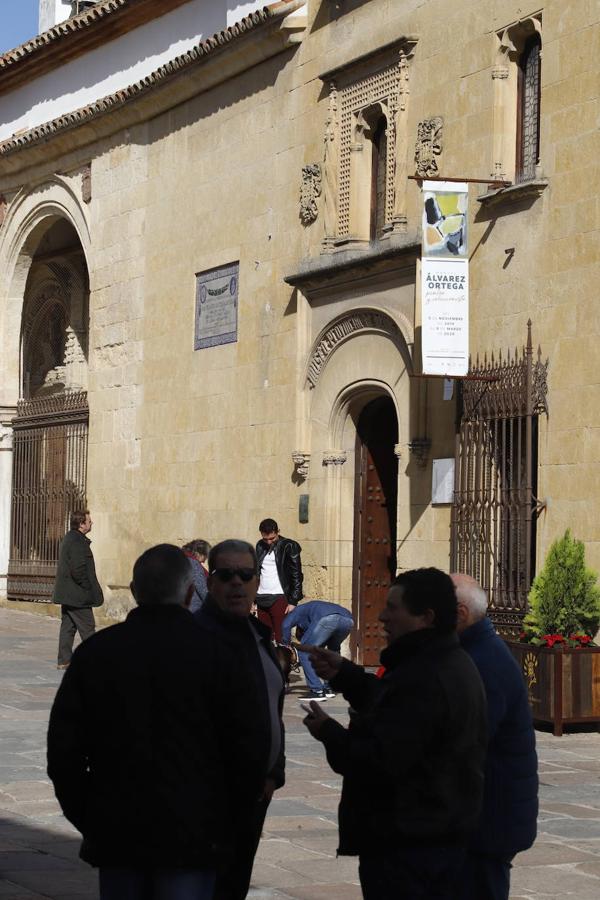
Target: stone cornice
261 35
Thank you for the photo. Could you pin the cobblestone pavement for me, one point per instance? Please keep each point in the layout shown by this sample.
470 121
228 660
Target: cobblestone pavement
296 859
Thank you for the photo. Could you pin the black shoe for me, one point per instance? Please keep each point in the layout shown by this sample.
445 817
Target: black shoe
329 694
315 695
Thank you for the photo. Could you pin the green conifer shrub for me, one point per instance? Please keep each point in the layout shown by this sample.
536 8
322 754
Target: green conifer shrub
564 597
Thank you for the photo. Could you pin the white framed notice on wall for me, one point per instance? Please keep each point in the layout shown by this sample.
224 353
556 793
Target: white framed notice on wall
442 481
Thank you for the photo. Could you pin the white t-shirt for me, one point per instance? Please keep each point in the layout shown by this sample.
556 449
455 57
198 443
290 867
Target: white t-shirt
269 577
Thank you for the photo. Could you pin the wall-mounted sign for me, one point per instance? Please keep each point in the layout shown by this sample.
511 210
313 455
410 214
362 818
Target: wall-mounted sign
217 306
442 481
445 316
445 279
445 208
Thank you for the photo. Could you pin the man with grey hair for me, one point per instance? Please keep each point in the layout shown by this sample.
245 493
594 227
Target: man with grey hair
509 816
151 743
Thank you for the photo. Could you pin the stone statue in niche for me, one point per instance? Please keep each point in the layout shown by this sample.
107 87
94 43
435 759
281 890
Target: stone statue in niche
310 191
428 147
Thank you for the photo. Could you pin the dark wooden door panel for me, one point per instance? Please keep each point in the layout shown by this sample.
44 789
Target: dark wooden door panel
375 541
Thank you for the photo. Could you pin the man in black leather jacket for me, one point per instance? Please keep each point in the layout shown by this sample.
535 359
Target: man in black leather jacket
280 574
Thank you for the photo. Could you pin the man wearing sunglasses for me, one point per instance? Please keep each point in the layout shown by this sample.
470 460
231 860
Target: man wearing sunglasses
227 616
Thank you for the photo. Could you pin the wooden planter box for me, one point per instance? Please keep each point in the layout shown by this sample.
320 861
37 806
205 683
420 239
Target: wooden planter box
563 684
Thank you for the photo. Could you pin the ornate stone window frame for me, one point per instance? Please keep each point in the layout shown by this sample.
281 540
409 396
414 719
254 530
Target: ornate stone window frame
360 93
511 42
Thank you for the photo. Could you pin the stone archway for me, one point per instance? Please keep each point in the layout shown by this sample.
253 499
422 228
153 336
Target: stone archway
356 359
44 320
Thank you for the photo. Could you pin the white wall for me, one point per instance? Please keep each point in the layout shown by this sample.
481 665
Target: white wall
53 11
117 64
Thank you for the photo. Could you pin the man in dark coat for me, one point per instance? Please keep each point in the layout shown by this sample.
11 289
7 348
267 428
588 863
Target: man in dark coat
76 587
226 615
509 817
152 743
280 576
412 758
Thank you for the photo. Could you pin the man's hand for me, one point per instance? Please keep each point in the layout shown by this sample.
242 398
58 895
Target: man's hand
289 608
326 663
268 790
315 719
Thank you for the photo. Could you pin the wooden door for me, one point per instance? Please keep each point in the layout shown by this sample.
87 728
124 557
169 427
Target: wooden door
375 524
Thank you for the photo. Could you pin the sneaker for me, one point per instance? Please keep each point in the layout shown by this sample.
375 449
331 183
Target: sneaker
328 692
315 695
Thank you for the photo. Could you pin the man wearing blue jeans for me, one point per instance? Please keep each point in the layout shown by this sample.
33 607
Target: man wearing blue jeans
322 625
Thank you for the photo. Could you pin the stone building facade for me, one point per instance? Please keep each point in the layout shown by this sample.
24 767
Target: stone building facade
287 145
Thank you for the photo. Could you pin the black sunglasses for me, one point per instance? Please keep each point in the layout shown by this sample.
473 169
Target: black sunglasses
229 574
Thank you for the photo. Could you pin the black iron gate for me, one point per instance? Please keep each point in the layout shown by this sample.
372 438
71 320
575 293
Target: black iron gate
495 484
49 481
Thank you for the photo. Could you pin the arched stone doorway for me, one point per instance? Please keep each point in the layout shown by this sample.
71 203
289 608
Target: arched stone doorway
50 429
376 507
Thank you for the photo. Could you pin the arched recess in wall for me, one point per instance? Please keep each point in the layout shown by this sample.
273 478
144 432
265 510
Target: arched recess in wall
358 369
30 217
45 323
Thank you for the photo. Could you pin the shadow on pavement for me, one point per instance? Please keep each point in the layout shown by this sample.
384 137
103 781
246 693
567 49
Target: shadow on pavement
43 862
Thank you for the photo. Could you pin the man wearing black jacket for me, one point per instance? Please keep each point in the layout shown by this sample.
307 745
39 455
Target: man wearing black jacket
226 615
76 587
280 576
412 758
154 743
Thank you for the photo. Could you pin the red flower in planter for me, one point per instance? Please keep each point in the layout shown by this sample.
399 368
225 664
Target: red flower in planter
582 639
552 639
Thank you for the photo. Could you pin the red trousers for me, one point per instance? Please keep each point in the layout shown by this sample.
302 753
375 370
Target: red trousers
274 616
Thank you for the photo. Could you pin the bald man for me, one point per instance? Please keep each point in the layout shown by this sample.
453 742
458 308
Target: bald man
509 816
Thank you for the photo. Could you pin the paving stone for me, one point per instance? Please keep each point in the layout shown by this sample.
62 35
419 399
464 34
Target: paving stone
297 856
545 852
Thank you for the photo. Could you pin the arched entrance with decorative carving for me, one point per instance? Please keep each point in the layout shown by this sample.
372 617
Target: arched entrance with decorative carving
358 397
50 428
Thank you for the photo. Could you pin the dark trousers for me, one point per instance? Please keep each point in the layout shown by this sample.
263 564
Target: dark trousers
162 884
273 617
484 878
73 620
233 880
411 873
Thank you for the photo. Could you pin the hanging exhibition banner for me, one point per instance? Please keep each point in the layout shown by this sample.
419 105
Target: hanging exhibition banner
445 316
445 279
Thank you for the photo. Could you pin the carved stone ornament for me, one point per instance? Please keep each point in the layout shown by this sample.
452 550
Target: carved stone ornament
86 184
340 331
429 146
335 458
301 460
3 208
420 447
310 191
